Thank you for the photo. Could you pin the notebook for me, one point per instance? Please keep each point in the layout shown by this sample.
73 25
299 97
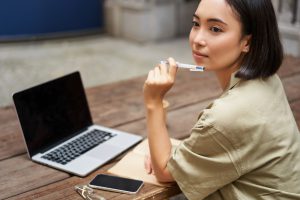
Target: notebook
58 130
132 164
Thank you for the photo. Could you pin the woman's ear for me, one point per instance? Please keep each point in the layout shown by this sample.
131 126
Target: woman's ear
246 43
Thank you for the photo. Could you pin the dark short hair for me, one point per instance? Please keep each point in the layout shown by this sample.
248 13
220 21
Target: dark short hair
265 54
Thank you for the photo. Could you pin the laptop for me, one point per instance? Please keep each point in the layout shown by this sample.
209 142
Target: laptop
58 130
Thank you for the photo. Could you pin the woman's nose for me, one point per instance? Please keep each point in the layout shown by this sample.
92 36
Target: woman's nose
199 38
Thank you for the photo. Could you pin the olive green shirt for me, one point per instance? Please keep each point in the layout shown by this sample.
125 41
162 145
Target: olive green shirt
245 145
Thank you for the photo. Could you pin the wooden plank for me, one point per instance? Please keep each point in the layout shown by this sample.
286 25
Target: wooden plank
7 113
131 108
19 174
295 106
65 190
290 66
11 140
133 87
292 87
179 121
161 193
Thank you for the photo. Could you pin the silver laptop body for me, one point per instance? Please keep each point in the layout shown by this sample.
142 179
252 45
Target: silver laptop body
58 129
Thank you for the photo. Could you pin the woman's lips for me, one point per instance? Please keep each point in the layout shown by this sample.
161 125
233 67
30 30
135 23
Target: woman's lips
199 55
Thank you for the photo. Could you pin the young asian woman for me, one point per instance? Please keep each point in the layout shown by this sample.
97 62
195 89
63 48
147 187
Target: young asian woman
245 144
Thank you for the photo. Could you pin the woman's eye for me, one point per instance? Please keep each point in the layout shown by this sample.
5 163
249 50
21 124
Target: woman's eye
215 29
195 23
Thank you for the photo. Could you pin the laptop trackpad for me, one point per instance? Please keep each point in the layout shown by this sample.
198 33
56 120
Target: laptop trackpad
104 152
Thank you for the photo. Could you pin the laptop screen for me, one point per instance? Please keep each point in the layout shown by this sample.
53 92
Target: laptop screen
52 112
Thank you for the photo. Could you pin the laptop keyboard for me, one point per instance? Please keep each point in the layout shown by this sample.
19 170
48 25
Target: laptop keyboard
72 150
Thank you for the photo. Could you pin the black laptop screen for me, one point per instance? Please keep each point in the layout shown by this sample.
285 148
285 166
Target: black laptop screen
52 112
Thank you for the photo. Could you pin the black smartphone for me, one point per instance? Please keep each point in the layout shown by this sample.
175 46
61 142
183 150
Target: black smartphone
116 184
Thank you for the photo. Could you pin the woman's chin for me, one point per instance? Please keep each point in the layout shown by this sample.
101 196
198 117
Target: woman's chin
199 63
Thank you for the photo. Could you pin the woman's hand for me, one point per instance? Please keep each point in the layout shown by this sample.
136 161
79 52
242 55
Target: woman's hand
159 81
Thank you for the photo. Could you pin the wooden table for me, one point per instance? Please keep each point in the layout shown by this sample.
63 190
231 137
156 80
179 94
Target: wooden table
118 105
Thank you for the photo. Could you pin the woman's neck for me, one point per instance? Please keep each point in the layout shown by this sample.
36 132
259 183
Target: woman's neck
224 76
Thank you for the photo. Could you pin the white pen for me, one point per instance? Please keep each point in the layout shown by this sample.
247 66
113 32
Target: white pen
186 66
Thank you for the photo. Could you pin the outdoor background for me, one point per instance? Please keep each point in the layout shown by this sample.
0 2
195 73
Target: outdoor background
106 41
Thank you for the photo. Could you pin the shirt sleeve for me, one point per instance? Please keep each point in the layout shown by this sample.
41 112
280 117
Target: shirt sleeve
204 162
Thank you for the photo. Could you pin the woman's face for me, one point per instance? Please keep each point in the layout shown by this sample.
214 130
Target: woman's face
216 37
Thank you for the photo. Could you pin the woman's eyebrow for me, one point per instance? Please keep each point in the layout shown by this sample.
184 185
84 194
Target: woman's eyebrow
196 16
211 19
216 20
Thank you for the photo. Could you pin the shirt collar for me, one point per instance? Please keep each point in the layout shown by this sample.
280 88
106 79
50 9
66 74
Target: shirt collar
233 81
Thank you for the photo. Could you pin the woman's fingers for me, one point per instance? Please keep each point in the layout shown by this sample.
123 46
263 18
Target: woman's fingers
150 76
173 68
161 73
157 73
163 69
159 81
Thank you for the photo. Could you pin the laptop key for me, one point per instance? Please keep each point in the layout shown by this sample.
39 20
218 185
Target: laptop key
75 148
